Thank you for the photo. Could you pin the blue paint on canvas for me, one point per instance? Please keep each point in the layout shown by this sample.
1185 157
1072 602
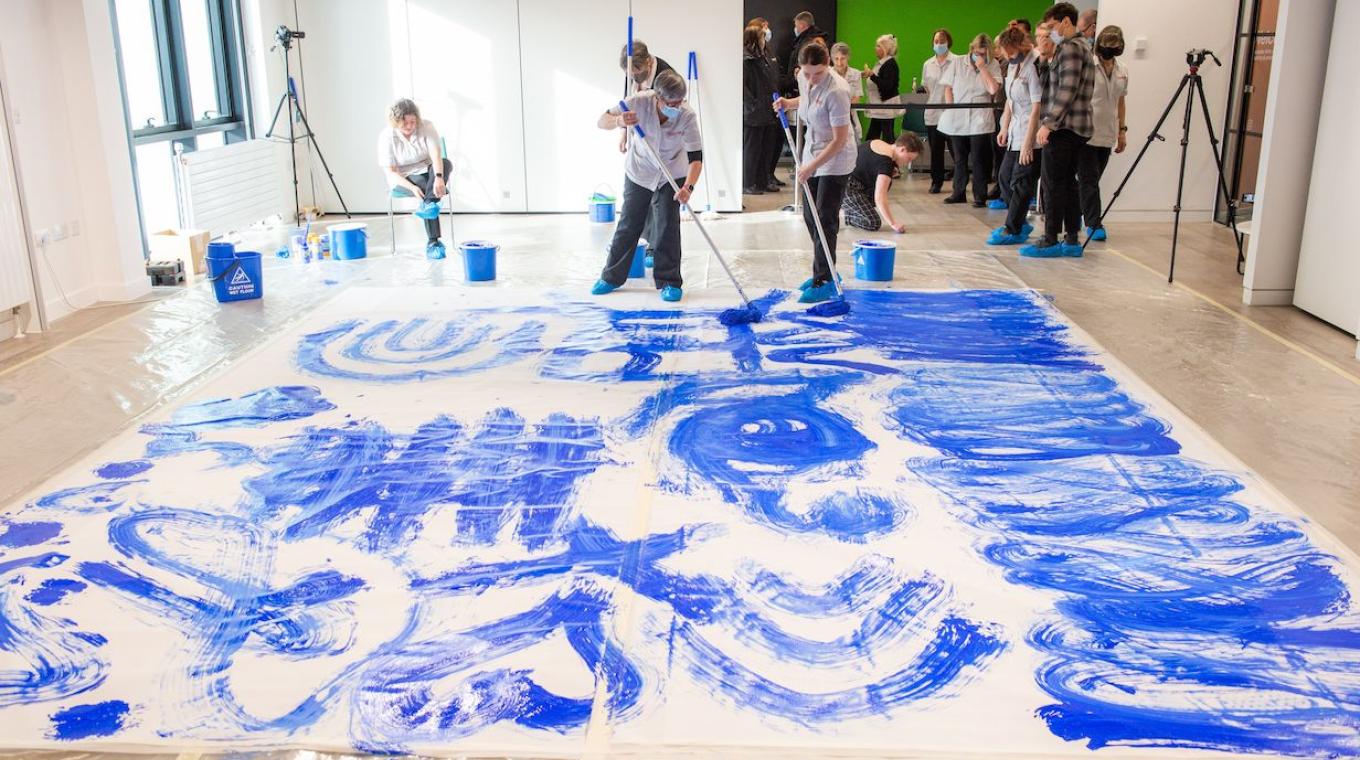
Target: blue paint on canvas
16 535
89 721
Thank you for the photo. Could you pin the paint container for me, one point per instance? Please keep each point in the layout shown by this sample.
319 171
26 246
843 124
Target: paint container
874 260
479 260
235 275
601 207
349 241
638 269
298 246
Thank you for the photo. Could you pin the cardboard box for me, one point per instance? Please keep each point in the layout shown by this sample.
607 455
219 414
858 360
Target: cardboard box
188 246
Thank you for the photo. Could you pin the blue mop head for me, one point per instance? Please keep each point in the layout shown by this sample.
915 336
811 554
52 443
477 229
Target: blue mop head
744 315
833 308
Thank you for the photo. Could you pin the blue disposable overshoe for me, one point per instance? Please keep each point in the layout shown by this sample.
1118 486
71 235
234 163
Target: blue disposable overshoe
434 250
428 210
601 287
818 293
1036 251
996 204
671 293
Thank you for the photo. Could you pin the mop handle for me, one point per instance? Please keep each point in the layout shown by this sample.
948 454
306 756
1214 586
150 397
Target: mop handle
651 152
630 40
812 205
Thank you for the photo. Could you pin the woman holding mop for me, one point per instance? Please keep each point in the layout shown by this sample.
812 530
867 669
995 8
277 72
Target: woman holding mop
828 158
673 132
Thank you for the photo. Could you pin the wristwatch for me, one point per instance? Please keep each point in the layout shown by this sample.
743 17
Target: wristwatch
689 187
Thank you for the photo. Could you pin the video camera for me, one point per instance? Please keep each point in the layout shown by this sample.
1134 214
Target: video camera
1195 57
285 36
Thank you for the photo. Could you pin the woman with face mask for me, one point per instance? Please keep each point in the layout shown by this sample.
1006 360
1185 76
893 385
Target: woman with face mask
1019 175
672 131
1110 128
759 125
931 72
840 63
974 79
827 160
884 80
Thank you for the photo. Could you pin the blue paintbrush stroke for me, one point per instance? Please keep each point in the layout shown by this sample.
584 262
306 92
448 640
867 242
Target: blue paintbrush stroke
267 406
53 590
123 470
89 721
17 535
412 344
57 661
1184 618
90 499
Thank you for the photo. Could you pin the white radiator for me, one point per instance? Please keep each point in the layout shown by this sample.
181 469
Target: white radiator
232 187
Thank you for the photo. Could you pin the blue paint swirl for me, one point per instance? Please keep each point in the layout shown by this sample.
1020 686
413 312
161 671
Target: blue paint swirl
267 406
89 721
401 352
17 535
90 499
55 659
123 470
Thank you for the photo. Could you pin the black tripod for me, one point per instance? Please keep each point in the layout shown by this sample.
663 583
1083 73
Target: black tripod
1193 87
285 37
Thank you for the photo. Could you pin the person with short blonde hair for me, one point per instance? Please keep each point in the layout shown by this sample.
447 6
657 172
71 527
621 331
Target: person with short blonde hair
885 81
973 79
412 156
840 63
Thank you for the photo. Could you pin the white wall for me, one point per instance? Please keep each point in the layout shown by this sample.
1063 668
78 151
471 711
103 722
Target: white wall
1298 71
70 137
1171 27
1329 268
519 142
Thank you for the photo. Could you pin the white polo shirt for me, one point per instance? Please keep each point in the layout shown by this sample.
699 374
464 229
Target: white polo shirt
1023 89
410 156
672 142
931 73
1105 95
822 108
966 80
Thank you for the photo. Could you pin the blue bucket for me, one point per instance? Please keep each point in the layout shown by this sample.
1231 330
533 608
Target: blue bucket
638 269
479 260
874 260
349 241
236 275
601 207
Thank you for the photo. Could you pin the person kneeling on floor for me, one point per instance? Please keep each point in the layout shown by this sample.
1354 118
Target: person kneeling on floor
672 132
874 164
410 153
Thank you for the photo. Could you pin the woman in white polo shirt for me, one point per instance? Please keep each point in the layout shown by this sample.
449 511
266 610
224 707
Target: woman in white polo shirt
973 78
1107 119
932 71
828 158
408 149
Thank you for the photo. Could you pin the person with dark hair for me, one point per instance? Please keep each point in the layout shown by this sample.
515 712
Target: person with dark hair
1086 28
1019 175
1065 126
758 124
827 160
1023 23
1108 126
412 157
673 133
971 80
884 82
932 71
645 65
805 32
866 191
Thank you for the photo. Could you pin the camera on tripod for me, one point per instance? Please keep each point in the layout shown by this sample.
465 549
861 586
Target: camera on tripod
285 36
1193 57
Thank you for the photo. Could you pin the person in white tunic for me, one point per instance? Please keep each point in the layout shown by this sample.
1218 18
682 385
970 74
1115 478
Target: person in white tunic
840 63
1110 128
412 157
672 131
828 158
971 79
932 71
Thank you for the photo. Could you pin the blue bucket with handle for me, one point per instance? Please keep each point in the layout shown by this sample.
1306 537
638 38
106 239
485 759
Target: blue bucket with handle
479 260
235 275
349 240
638 269
602 207
874 260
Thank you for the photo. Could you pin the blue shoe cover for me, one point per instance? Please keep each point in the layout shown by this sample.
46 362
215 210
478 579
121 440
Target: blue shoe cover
671 293
1026 229
1072 250
818 293
1001 237
648 262
434 250
996 204
601 287
427 210
1096 235
1045 252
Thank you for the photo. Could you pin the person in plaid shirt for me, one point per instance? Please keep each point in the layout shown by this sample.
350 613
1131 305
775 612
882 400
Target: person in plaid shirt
1065 126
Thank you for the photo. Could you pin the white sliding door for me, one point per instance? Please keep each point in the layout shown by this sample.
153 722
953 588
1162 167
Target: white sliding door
16 279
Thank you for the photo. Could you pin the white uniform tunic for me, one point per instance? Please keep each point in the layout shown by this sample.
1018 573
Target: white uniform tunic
1023 89
671 142
823 107
1105 95
408 155
968 87
931 74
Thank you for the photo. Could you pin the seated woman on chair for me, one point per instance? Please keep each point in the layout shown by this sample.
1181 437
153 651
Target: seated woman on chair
408 151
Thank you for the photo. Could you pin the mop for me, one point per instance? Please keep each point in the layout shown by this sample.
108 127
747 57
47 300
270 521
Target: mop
739 316
838 305
709 214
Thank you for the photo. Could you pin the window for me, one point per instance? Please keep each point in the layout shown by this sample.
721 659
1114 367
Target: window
181 66
1252 58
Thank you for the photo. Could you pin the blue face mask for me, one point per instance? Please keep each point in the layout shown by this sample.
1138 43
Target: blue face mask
768 35
670 112
1056 36
941 49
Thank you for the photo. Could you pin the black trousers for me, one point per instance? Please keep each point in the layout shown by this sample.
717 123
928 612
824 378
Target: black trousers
1018 183
1062 206
939 143
827 194
425 181
881 129
1091 164
639 204
756 156
777 141
972 157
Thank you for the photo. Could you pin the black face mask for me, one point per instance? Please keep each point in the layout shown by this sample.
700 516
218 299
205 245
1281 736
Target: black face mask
1107 53
1016 60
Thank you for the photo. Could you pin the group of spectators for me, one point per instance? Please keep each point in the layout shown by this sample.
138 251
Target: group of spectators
1047 110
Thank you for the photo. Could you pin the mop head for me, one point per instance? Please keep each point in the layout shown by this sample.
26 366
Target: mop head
744 315
834 308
